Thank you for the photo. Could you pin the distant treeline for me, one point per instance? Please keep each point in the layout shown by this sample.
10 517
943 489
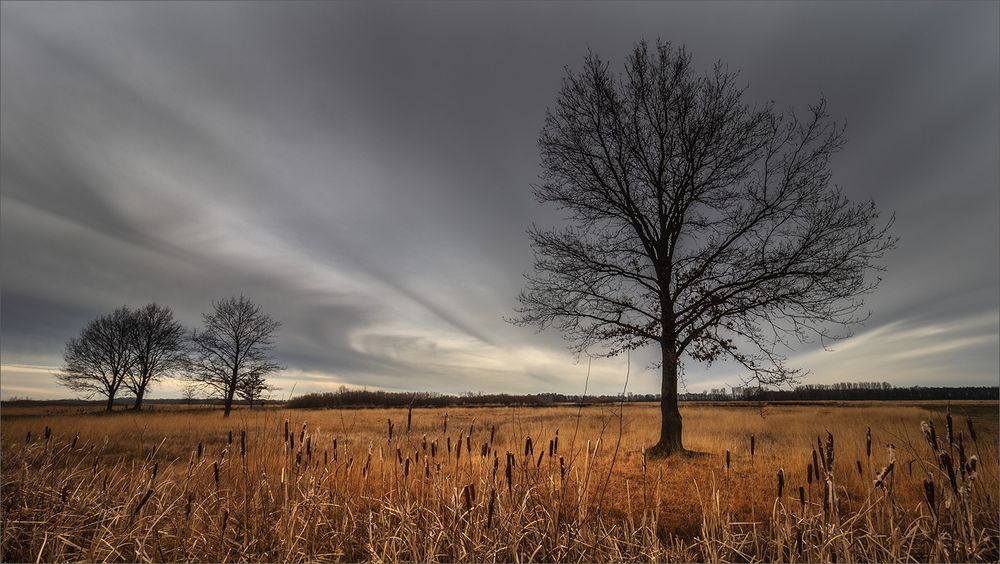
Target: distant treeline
845 391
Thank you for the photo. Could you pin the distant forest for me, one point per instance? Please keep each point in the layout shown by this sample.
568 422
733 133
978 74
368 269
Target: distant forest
845 391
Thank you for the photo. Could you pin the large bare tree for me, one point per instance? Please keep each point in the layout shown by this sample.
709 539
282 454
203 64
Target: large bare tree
696 221
98 360
159 348
234 348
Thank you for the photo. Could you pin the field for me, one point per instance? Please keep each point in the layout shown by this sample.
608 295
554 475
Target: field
502 484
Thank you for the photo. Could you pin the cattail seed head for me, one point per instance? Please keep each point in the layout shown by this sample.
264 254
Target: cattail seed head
883 474
858 464
868 442
809 474
802 497
972 429
781 482
727 459
753 445
949 427
815 463
829 451
929 434
929 495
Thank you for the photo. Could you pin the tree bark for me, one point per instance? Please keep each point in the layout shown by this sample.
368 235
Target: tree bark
670 415
138 400
111 403
229 404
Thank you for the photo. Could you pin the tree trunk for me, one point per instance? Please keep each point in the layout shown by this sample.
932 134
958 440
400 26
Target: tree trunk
670 422
138 399
229 404
111 403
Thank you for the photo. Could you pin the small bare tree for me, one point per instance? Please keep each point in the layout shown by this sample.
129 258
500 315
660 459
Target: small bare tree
234 348
697 222
159 348
253 388
98 360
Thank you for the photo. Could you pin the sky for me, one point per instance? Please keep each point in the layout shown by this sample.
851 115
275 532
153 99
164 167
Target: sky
363 172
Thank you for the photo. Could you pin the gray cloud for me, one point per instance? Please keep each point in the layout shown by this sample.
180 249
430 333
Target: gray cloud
363 169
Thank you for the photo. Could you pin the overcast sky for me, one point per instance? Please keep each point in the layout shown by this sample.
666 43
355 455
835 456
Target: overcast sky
363 172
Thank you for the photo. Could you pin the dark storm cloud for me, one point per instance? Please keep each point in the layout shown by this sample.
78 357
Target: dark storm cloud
362 170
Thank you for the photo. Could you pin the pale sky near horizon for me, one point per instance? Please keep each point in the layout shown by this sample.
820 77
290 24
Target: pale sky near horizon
363 171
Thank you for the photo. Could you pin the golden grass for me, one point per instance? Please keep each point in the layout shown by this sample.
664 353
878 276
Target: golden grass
132 487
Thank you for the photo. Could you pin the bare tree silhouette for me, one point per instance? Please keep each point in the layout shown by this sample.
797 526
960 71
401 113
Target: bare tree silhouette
158 346
697 222
234 348
98 360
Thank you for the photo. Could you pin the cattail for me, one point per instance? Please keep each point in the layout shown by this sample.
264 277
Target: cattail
946 463
727 459
539 462
243 443
550 448
286 430
929 434
409 418
490 508
468 498
781 481
484 449
562 468
643 450
335 449
27 438
389 424
97 461
971 465
416 456
961 453
972 430
507 472
187 506
423 442
302 433
929 494
156 470
458 448
215 470
48 433
76 438
199 450
325 459
822 456
868 442
142 501
309 446
399 455
449 438
493 431
434 448
406 467
555 443
826 497
753 446
527 447
858 464
829 451
883 474
802 498
225 520
291 442
815 464
445 428
948 427
230 437
809 473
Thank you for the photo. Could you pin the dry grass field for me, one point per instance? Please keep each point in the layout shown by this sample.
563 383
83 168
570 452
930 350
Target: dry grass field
502 484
